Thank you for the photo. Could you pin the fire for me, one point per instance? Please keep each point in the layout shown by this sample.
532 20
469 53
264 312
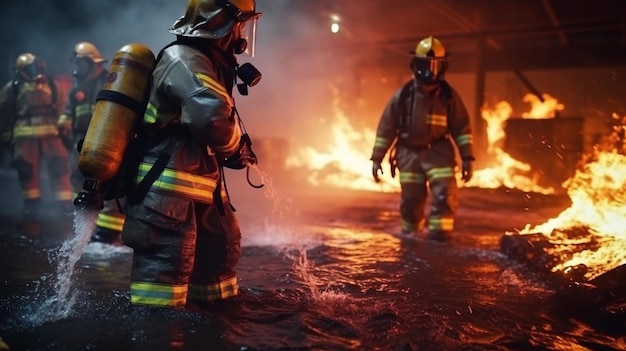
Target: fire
598 194
504 170
542 109
346 162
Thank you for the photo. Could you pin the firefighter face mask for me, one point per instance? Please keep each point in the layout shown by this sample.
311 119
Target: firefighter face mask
34 72
428 70
82 66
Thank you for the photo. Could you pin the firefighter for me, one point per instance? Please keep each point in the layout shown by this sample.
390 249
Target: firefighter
89 72
30 106
183 231
419 126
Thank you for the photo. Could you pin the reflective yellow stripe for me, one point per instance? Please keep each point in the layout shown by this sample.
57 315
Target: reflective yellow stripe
408 177
110 222
440 173
437 120
464 139
151 114
190 185
158 294
382 143
445 223
232 145
83 109
216 87
217 291
26 131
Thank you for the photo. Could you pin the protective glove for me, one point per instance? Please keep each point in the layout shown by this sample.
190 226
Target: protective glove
243 157
376 167
65 134
467 170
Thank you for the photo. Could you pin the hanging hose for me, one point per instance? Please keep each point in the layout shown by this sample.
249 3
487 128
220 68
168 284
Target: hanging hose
249 182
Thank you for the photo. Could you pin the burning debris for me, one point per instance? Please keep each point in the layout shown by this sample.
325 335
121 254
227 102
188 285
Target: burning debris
583 249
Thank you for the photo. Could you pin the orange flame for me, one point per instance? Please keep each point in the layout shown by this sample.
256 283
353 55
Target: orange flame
346 162
598 194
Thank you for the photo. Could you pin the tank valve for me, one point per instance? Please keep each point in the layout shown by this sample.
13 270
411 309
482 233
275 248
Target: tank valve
91 198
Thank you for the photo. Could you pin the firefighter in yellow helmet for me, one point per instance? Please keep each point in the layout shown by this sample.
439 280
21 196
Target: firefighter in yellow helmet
419 126
183 231
30 106
89 72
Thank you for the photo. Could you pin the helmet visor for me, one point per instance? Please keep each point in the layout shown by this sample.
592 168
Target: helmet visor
428 67
248 33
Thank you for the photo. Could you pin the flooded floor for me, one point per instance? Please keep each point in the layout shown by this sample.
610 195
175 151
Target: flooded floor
319 271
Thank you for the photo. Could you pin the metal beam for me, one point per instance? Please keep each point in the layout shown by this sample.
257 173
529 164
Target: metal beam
547 5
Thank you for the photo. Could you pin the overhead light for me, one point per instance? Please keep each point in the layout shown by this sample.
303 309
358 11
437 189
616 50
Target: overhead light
334 23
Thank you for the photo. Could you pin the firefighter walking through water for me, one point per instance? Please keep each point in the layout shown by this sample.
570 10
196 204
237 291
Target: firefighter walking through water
89 73
30 106
420 123
183 231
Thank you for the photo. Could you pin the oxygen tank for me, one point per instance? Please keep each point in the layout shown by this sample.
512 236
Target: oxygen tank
120 104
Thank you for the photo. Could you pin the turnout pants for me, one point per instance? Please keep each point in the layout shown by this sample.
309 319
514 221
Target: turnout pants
428 171
183 250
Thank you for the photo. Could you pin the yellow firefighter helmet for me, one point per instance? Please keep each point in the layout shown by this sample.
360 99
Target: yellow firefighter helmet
87 62
430 60
87 49
29 67
213 19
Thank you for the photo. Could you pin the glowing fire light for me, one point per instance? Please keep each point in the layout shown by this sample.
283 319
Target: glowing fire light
504 170
598 194
346 163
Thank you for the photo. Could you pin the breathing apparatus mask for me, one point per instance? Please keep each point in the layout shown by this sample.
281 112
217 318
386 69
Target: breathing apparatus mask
34 72
244 43
82 66
428 71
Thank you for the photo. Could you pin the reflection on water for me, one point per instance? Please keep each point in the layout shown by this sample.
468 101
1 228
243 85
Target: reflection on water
335 280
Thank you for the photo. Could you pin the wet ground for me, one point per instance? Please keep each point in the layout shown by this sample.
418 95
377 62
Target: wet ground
321 270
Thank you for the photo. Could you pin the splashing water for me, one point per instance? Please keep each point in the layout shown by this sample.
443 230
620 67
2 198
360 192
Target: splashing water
287 239
60 305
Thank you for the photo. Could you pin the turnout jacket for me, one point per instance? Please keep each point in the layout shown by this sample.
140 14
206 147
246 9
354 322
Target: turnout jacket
27 110
418 118
191 104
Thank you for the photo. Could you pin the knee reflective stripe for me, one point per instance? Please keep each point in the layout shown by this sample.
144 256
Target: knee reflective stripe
409 177
31 194
217 291
411 226
63 195
444 224
440 172
190 185
158 294
110 222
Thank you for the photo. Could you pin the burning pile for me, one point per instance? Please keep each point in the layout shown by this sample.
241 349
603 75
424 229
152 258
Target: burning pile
590 235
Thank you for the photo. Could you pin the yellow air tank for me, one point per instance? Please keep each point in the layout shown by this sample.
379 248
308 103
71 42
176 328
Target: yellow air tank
120 104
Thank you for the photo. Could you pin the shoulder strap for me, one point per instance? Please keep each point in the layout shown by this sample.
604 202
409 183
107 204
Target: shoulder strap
406 93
